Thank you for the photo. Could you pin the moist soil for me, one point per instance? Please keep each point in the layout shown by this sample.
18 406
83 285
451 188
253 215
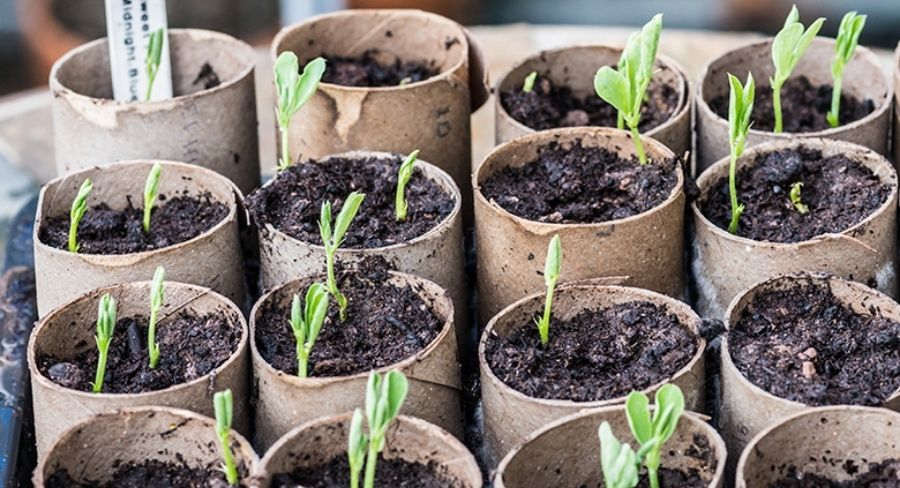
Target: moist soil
366 71
801 344
580 184
885 474
595 355
394 472
152 472
385 324
548 106
838 191
106 231
292 202
803 107
191 346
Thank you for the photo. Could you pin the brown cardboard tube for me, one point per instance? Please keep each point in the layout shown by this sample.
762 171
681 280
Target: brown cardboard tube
896 131
214 128
319 441
94 447
820 440
70 329
211 259
510 249
285 401
864 78
725 264
566 452
510 416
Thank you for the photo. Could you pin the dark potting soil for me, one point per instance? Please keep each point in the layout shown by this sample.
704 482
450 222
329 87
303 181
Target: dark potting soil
207 77
548 106
106 231
149 473
580 185
885 474
385 324
191 345
365 70
839 192
392 472
676 478
803 107
595 355
292 202
800 343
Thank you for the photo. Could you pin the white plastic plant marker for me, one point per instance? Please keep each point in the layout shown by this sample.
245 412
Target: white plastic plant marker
129 26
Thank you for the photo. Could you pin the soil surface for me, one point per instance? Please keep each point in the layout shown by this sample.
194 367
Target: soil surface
365 70
839 193
152 472
207 77
885 474
547 107
191 346
668 478
803 107
393 472
580 185
595 355
106 231
800 343
293 201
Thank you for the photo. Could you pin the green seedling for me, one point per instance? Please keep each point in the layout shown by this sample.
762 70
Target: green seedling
403 176
294 90
384 397
106 325
528 85
654 431
307 321
847 39
551 275
79 207
618 461
626 87
223 406
357 444
332 240
795 198
151 191
154 55
740 107
787 48
156 303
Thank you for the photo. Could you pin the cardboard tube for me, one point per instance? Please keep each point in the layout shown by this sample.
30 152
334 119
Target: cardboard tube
864 78
94 447
820 441
725 264
510 249
566 452
70 329
896 131
211 259
214 128
510 416
319 441
285 400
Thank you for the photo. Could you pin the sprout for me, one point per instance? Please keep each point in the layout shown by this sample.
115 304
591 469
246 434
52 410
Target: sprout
740 107
653 432
528 85
787 49
795 198
156 303
625 88
406 171
848 37
618 461
307 322
79 207
294 90
551 275
106 324
223 405
405 81
154 54
356 447
151 191
333 240
384 397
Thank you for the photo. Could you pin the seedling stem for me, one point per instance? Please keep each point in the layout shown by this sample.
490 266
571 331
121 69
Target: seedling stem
332 240
788 47
847 39
551 275
154 55
156 303
151 191
307 321
740 107
79 207
224 409
293 90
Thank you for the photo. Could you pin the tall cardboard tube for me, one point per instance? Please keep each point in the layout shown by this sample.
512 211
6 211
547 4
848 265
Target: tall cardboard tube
896 131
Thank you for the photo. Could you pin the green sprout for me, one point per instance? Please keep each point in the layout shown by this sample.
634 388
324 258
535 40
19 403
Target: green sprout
618 461
307 321
626 87
654 431
787 48
848 37
156 303
384 397
79 207
224 408
740 107
551 275
528 85
106 324
795 198
405 173
294 90
332 240
356 447
151 191
154 54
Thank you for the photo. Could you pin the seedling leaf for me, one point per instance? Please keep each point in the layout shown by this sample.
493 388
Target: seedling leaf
156 303
740 108
224 410
403 177
788 47
847 39
293 91
617 461
552 267
151 191
79 207
106 324
154 55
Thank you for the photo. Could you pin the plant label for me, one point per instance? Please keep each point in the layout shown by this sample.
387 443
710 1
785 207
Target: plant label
130 25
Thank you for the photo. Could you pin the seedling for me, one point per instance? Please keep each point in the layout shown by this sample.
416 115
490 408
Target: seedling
356 447
848 37
551 275
384 397
528 85
156 303
154 54
106 324
307 322
332 240
151 191
223 406
79 207
626 87
618 461
795 198
787 48
740 107
405 173
653 431
294 90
